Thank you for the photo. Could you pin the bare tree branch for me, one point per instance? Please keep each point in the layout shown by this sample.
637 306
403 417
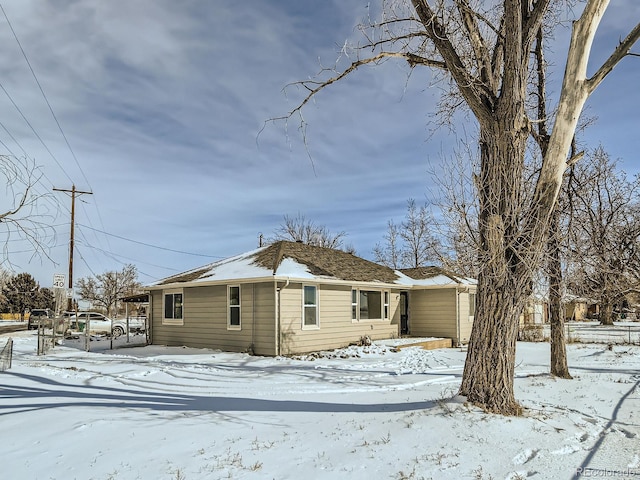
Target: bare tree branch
619 53
477 96
314 86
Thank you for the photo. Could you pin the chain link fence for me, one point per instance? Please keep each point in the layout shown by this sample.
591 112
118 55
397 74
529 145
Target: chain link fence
6 355
622 333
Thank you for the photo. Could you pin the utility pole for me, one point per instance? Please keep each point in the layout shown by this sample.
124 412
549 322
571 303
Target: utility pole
73 193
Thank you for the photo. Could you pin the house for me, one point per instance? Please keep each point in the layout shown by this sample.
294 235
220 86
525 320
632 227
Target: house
536 311
440 303
290 298
580 309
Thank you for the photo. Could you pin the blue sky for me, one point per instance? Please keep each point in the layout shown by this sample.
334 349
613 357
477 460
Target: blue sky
163 102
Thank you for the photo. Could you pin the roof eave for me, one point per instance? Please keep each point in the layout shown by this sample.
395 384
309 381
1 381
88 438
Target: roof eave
277 278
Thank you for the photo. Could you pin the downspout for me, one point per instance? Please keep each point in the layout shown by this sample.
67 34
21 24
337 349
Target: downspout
458 316
253 318
278 315
149 333
277 332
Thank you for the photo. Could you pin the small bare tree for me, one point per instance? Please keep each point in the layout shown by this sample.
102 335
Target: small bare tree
301 229
106 289
389 252
457 225
410 244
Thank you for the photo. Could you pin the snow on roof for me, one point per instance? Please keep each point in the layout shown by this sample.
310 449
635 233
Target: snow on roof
233 268
433 276
290 268
436 281
308 262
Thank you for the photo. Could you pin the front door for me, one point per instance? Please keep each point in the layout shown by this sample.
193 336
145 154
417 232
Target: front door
404 313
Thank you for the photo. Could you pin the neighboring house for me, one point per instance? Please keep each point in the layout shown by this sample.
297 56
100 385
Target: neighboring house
536 311
290 298
580 309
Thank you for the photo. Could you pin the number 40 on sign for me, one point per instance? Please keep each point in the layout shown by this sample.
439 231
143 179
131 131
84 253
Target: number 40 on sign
58 280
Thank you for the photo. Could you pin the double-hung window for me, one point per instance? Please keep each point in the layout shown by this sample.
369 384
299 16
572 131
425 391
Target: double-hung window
354 305
173 306
233 295
309 306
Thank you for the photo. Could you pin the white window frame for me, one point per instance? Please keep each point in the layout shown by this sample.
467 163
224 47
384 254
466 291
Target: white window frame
171 320
355 305
229 307
385 305
386 297
472 305
316 325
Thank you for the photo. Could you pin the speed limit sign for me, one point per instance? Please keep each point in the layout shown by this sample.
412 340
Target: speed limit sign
58 280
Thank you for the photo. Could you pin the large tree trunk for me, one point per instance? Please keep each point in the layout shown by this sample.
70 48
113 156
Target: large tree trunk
489 369
606 313
559 366
504 281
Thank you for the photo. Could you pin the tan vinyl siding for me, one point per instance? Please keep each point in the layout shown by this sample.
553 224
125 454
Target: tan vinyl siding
466 322
205 317
264 316
336 328
432 313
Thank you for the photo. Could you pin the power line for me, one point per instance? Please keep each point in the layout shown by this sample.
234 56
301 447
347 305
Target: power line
114 255
26 155
149 245
44 96
34 132
86 264
35 77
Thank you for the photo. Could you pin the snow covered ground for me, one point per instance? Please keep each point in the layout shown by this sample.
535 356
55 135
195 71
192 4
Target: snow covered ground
359 413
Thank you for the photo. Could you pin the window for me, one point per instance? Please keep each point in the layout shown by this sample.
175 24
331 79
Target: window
386 306
309 306
472 304
354 304
370 305
173 307
233 294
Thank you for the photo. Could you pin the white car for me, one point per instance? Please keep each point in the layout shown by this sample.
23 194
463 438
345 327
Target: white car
98 324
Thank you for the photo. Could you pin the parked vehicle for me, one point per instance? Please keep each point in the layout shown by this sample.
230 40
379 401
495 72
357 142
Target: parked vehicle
98 324
38 316
101 324
136 324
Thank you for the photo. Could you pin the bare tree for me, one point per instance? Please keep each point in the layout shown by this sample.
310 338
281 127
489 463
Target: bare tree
106 289
483 49
22 213
301 229
457 224
389 252
412 243
605 233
